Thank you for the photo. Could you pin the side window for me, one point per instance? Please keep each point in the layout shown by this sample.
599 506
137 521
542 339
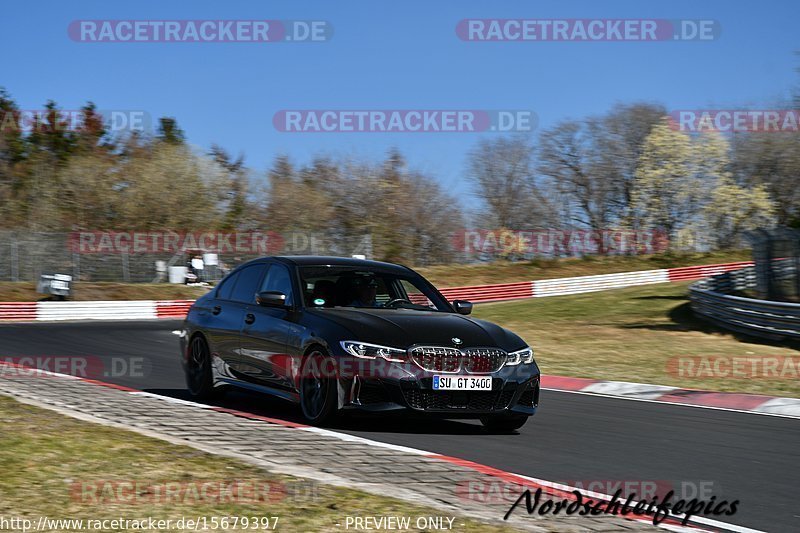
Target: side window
225 290
247 284
279 279
412 293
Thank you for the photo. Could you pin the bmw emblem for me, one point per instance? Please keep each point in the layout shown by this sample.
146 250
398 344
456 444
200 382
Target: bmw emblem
456 341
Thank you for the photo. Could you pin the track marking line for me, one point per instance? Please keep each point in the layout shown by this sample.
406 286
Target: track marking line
170 399
779 415
362 440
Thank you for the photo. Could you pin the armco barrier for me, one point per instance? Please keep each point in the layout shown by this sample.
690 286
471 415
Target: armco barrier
173 308
711 300
564 286
145 309
704 271
490 293
112 310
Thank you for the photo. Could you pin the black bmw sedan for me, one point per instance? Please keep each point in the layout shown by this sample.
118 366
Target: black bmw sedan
335 334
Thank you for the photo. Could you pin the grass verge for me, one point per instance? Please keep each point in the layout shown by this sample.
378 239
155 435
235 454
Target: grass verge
632 334
61 468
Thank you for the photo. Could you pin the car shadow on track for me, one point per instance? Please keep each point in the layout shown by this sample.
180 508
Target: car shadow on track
267 406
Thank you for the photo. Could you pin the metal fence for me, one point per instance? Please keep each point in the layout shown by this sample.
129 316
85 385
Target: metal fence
715 299
24 256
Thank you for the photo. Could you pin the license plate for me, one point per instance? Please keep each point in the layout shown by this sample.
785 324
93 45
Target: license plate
461 383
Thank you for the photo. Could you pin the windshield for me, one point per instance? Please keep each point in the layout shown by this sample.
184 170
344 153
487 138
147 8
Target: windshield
337 286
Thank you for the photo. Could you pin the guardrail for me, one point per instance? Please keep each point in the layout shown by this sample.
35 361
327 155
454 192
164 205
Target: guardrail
704 271
112 310
490 293
146 309
602 282
712 300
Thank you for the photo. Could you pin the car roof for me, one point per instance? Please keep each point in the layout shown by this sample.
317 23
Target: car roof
331 260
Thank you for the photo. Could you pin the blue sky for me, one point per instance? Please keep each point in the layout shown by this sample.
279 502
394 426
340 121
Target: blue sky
399 55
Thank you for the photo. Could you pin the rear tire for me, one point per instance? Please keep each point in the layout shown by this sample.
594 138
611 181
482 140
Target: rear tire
504 423
199 376
319 388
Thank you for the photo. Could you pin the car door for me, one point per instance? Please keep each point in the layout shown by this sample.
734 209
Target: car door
222 323
228 310
267 353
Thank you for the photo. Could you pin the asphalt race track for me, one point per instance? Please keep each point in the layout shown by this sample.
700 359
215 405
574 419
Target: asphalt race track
574 437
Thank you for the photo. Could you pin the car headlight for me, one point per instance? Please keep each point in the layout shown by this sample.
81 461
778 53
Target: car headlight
373 351
524 356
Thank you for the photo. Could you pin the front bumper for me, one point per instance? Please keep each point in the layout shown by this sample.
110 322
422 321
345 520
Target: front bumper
380 386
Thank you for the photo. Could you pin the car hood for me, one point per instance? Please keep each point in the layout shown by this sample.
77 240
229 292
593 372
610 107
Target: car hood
402 328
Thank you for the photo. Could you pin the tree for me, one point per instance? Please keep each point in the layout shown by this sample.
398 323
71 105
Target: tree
12 156
88 197
294 205
430 216
570 159
12 143
169 131
57 136
733 209
170 188
91 130
592 164
728 209
772 161
665 191
620 137
685 185
503 173
236 186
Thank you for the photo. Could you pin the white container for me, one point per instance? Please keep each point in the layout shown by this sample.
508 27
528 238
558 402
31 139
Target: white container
177 274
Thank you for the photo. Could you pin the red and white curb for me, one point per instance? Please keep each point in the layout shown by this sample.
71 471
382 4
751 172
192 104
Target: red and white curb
583 284
152 309
94 310
556 490
725 401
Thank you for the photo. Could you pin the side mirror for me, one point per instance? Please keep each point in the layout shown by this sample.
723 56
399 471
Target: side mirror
271 299
462 307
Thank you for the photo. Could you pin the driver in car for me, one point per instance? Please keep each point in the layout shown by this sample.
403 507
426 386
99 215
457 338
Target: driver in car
365 290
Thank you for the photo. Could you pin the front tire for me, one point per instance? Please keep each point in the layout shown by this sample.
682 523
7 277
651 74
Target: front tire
318 388
504 423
